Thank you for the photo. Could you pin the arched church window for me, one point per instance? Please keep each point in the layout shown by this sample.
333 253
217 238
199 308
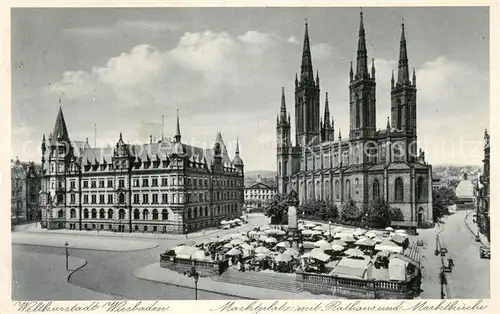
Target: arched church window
358 110
398 190
337 189
399 114
348 189
356 185
420 189
376 190
137 215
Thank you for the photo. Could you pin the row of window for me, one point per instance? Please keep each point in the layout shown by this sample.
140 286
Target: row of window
155 214
166 198
154 182
374 155
399 192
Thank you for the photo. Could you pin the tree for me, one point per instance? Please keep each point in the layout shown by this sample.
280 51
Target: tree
396 214
379 214
441 198
351 213
277 210
320 210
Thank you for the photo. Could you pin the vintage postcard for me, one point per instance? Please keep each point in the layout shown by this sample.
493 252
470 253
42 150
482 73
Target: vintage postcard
254 159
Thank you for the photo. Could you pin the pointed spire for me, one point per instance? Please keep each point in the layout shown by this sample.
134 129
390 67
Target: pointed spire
178 130
340 135
327 112
392 80
296 81
306 74
361 64
121 137
414 78
317 78
237 147
373 69
60 131
351 74
403 73
388 126
283 106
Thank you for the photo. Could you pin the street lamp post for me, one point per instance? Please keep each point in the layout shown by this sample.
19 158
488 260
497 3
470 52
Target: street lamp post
66 246
193 273
330 229
442 280
366 221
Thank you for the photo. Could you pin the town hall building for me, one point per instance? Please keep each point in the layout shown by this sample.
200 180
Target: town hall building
366 164
159 187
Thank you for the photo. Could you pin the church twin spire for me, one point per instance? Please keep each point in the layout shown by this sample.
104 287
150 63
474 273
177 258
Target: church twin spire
306 74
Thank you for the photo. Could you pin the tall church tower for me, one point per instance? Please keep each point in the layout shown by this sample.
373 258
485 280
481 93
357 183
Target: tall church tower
362 93
404 98
284 146
307 125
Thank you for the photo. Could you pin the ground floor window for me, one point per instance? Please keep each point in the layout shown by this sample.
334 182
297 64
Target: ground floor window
136 228
155 228
102 227
85 226
93 226
110 227
164 229
145 228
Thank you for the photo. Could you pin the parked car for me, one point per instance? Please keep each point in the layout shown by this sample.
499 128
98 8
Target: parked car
484 252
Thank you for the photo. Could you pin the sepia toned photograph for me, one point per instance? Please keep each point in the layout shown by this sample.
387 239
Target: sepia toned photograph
250 153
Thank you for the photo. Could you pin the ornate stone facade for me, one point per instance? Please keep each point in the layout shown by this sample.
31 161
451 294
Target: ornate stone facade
163 187
25 186
371 163
483 191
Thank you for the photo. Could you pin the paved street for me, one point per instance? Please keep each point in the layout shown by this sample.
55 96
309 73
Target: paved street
470 277
107 273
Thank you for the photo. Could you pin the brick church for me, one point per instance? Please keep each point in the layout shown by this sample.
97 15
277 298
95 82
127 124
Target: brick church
369 163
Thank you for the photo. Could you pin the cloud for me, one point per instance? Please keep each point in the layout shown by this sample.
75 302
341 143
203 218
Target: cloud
321 51
214 64
293 40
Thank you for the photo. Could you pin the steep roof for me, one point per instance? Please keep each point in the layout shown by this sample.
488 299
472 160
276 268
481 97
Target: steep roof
60 129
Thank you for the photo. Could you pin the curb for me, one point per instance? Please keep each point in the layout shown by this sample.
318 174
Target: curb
77 269
470 229
199 289
87 249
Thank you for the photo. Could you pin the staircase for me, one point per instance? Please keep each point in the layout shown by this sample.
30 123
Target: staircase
267 280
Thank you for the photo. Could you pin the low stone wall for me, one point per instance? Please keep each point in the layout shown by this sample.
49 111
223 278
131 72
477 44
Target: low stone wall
205 269
354 288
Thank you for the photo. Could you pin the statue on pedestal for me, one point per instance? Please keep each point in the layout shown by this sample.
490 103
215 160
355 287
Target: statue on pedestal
292 201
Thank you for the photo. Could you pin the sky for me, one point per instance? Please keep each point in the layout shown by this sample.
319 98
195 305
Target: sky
224 68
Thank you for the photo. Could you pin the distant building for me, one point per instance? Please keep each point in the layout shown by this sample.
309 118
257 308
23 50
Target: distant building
25 186
260 193
465 191
483 192
437 183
